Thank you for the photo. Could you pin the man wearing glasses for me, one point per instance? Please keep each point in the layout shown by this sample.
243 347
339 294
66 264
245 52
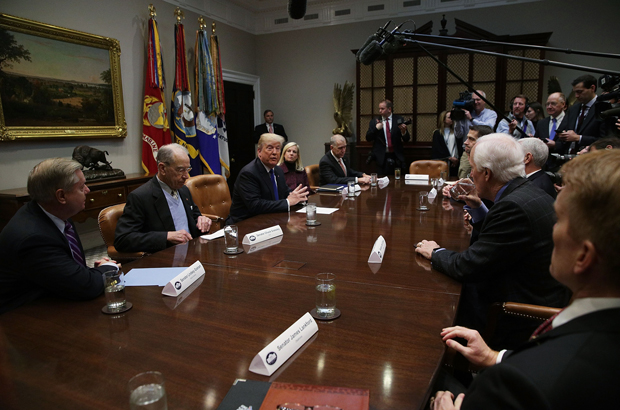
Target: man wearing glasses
161 213
333 169
261 186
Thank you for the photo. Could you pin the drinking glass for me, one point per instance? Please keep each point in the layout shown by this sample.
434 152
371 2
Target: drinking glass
463 187
423 196
396 173
114 287
231 238
325 294
147 391
311 213
373 179
351 188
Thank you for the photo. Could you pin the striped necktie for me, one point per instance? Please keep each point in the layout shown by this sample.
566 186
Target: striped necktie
546 326
74 244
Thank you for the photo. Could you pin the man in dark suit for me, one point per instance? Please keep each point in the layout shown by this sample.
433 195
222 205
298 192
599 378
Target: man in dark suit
510 259
536 154
572 362
334 170
581 127
161 213
269 127
546 129
40 250
261 186
387 134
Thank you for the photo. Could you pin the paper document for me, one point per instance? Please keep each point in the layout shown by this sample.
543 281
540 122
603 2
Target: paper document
320 210
210 237
151 276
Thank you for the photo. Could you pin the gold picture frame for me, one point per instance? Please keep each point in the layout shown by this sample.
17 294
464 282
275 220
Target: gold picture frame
58 83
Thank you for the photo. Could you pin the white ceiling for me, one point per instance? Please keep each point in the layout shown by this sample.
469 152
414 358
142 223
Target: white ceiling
271 16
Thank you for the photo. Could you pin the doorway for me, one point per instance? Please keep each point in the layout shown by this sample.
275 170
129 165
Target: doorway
240 126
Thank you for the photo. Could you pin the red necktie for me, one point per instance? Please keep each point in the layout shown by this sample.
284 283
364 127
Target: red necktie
582 116
270 129
342 166
545 327
388 135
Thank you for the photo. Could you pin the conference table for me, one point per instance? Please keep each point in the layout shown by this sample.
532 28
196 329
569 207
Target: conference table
65 354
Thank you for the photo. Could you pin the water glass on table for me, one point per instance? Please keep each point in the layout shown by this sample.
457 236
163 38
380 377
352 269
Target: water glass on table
396 173
311 213
423 198
231 238
147 391
114 289
325 294
373 179
350 188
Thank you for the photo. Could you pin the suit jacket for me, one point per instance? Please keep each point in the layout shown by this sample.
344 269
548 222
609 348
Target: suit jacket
253 193
440 148
508 262
261 129
146 221
590 128
37 260
542 181
378 139
542 128
574 366
330 171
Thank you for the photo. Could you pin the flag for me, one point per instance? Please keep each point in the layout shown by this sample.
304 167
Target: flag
183 127
206 105
221 107
154 116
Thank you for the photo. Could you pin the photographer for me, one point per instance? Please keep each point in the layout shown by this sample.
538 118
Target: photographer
519 106
388 133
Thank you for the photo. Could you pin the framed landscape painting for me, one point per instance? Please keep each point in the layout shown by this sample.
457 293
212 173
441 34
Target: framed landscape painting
58 83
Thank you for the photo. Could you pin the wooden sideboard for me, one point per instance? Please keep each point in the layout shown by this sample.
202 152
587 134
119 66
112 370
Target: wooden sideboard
102 194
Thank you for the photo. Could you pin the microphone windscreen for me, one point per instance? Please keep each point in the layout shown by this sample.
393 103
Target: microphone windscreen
393 45
297 9
614 112
374 37
371 53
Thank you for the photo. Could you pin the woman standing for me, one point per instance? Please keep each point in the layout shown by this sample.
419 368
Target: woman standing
446 146
535 113
294 171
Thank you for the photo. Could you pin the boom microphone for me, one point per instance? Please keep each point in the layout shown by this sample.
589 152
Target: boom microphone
374 49
614 112
297 9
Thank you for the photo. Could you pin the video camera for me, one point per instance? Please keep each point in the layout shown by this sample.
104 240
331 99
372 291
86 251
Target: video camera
464 102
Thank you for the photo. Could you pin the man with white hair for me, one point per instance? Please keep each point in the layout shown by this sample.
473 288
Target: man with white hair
480 115
536 154
510 259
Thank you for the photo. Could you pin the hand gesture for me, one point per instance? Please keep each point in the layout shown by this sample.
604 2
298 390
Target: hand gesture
178 237
299 194
203 223
379 124
476 351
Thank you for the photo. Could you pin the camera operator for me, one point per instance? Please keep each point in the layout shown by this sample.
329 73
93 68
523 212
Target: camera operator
519 106
387 133
478 116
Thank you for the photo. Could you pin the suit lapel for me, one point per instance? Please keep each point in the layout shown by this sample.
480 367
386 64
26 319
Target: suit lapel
264 175
589 118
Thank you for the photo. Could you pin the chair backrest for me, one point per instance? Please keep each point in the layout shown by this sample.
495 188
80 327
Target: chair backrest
429 167
107 220
211 194
313 175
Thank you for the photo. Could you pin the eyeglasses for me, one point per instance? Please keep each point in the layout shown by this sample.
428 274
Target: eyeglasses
297 406
181 170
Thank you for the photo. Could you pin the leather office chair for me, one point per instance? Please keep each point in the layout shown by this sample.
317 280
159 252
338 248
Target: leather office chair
313 176
430 167
211 194
107 220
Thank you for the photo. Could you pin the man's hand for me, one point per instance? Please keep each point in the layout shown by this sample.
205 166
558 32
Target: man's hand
476 351
379 125
585 150
467 114
425 248
443 401
569 136
550 143
512 126
178 237
106 260
403 129
300 194
446 189
454 161
203 223
365 179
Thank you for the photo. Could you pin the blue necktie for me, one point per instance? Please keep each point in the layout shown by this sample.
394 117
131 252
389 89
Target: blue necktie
552 133
73 244
275 186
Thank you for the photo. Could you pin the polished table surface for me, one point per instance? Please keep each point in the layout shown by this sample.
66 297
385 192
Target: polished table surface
63 354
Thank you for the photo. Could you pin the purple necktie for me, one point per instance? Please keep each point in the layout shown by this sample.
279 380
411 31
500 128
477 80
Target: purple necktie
552 133
74 244
275 185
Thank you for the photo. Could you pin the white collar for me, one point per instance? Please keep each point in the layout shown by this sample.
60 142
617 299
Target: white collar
60 224
583 306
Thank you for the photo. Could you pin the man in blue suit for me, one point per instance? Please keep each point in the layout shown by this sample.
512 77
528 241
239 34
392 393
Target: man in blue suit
261 186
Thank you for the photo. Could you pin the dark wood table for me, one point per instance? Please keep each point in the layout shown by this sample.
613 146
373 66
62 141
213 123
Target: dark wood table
63 354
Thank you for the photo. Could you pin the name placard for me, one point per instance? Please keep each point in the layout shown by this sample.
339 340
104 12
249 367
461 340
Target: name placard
416 177
262 235
378 250
268 360
184 280
262 245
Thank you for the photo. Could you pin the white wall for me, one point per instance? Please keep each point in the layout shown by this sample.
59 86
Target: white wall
125 21
298 69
